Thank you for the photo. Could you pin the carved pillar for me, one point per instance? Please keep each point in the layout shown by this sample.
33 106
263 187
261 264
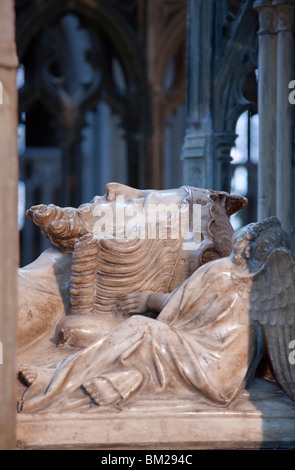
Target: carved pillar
197 163
285 73
155 146
166 31
267 67
223 143
8 222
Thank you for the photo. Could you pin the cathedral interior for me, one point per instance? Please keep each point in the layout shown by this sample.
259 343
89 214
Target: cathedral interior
149 93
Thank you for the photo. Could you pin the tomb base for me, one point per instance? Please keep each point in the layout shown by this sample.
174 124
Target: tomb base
262 418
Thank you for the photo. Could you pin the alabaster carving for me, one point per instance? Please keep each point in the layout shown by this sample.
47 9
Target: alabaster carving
105 266
146 322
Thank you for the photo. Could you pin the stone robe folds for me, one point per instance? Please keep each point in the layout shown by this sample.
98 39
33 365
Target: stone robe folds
202 344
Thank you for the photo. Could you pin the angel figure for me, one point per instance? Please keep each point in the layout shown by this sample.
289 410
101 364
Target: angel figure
206 342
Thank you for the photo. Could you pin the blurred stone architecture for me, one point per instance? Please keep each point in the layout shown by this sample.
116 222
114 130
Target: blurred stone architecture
150 93
102 97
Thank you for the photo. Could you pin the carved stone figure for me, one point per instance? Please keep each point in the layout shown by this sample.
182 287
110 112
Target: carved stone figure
205 343
125 241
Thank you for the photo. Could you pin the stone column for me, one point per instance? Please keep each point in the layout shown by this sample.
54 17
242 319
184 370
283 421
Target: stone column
197 165
267 70
223 143
165 43
8 223
285 74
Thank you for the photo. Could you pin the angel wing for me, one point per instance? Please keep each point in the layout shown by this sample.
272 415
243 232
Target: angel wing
272 303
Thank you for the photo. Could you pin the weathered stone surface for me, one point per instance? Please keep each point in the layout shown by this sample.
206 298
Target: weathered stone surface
263 417
8 221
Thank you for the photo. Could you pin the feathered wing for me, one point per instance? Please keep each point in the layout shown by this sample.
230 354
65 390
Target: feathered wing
273 307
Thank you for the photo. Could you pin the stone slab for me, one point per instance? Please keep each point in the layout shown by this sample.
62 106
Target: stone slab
263 417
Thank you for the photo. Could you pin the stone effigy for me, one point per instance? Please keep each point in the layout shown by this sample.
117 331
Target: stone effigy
100 267
144 322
